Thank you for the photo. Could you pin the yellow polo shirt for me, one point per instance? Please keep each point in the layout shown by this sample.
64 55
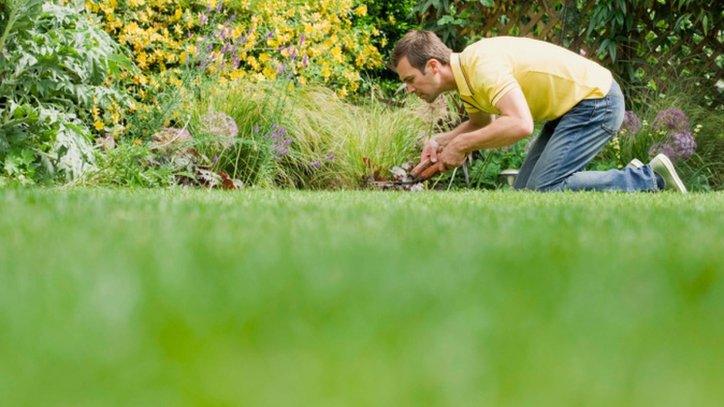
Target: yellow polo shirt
552 78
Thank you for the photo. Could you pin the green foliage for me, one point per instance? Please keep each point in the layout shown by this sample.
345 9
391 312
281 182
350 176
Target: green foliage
634 35
637 39
450 18
55 66
130 165
702 171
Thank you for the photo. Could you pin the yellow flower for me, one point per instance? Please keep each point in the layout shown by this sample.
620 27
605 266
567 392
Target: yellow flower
98 124
253 63
269 73
361 10
326 71
142 60
337 54
236 74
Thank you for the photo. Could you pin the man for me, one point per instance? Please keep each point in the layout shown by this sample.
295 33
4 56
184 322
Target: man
507 83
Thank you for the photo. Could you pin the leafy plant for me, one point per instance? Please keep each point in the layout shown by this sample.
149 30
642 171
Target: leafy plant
55 72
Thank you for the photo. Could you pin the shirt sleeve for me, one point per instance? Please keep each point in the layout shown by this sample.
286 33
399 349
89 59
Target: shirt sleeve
493 78
470 108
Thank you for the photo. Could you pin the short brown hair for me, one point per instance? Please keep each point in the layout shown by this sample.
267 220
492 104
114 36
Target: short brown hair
419 47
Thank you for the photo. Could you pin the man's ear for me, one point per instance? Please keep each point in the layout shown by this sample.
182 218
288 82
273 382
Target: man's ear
433 64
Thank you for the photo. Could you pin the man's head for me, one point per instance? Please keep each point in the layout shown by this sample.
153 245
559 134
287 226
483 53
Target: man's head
421 60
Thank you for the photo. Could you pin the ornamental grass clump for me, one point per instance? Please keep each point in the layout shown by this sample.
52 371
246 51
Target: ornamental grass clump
308 138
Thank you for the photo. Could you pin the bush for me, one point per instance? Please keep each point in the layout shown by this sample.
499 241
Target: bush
56 68
326 42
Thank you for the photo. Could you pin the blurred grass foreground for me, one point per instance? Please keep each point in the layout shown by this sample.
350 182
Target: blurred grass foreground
189 297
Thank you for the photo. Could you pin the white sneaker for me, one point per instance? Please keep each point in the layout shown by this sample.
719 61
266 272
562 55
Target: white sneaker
635 163
662 166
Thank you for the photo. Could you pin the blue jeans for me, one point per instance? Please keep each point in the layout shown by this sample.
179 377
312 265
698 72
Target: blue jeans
566 145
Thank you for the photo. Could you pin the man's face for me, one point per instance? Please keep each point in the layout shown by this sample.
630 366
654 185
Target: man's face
425 85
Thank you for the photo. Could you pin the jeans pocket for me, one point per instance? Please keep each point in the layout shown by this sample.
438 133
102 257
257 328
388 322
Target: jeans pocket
613 112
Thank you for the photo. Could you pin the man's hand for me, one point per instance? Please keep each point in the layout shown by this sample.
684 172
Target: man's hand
428 156
430 150
448 158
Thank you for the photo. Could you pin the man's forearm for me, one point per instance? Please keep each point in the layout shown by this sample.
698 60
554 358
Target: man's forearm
465 127
501 132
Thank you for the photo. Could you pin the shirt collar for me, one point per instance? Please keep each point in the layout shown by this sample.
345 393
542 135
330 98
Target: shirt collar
460 81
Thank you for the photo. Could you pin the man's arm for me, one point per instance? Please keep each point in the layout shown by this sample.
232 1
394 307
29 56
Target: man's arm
514 123
476 121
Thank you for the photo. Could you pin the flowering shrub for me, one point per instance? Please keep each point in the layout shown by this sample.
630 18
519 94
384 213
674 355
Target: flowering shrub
669 133
324 41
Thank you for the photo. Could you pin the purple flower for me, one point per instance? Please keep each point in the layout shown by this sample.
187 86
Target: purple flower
218 6
293 54
671 119
203 19
305 61
684 144
280 141
280 69
269 34
662 148
302 39
631 123
678 146
330 156
315 164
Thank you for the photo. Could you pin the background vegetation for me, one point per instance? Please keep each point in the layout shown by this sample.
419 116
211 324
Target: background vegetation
91 90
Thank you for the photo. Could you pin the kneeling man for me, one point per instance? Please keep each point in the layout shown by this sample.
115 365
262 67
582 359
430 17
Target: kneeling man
506 84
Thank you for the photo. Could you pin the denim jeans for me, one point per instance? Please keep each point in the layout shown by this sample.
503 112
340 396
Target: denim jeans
566 145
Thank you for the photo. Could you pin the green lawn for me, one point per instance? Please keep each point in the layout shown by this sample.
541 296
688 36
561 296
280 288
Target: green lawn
173 297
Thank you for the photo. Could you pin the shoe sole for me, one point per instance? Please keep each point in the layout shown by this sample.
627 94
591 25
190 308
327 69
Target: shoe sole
672 175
